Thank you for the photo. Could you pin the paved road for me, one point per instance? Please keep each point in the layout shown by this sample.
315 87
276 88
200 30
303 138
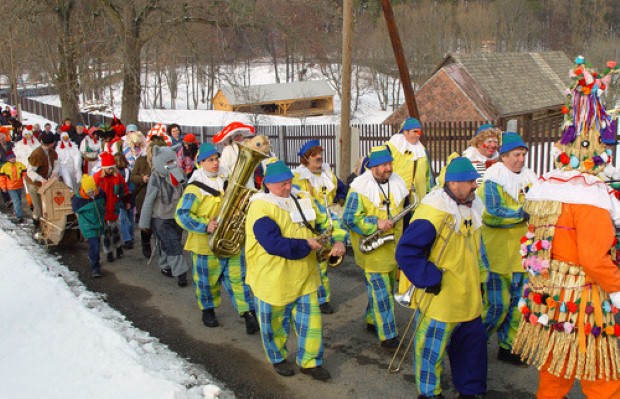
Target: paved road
353 356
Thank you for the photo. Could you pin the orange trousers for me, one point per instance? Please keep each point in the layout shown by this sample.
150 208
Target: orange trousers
552 387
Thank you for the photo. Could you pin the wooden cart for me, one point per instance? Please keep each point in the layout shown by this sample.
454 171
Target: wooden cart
57 216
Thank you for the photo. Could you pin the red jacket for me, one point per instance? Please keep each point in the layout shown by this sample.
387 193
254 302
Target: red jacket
116 193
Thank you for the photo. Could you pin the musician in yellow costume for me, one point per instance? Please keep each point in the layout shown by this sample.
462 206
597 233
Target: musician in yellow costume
316 177
568 329
375 197
197 212
439 253
281 229
502 192
412 163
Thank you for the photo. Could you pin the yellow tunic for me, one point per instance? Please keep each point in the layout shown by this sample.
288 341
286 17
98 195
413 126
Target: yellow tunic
273 279
459 299
204 208
404 166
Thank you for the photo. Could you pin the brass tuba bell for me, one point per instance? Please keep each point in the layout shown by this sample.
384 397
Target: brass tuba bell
229 236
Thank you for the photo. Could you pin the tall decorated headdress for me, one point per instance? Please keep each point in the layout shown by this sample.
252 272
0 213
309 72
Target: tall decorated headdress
587 128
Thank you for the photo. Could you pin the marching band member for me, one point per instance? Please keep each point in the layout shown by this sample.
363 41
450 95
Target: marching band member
411 160
197 213
282 270
448 220
316 177
569 328
233 132
504 223
374 199
482 150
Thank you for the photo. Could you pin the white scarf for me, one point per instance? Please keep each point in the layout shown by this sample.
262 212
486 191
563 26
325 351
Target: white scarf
288 204
402 145
475 156
512 183
318 181
440 200
213 180
367 185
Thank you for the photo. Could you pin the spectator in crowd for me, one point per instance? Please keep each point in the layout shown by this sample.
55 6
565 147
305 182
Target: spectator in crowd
175 133
12 182
80 134
36 130
67 126
5 147
89 205
186 155
42 165
117 195
70 161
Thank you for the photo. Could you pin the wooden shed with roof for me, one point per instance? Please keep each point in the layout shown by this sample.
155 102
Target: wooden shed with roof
305 98
493 87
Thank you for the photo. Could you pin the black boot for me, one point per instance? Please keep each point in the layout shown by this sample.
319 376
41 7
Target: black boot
182 280
110 257
145 240
209 319
119 252
505 355
251 324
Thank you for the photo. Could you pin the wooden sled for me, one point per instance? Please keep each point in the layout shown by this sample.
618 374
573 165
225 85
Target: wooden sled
57 216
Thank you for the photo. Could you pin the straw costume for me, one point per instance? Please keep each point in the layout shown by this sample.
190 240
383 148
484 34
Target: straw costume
568 329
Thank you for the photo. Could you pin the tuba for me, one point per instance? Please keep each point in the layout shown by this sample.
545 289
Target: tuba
375 240
325 240
229 236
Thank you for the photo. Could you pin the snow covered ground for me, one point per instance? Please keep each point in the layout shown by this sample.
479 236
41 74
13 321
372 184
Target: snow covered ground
59 340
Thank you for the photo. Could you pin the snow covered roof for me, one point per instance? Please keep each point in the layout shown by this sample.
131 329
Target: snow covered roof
269 93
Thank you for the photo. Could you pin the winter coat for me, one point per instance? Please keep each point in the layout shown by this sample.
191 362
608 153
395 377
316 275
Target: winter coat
90 213
12 175
140 169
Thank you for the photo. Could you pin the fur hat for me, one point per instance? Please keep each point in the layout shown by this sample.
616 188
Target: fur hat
47 138
231 130
107 160
587 127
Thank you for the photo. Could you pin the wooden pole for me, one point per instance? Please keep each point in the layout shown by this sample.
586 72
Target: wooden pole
399 55
345 103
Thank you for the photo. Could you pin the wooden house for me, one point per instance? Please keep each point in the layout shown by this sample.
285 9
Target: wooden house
493 87
305 98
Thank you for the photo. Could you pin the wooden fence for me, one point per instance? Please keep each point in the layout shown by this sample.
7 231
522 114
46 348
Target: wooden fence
440 138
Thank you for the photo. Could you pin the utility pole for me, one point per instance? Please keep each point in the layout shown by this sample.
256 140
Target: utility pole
345 103
399 55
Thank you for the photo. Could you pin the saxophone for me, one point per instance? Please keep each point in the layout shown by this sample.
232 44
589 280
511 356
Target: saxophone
376 240
228 238
325 240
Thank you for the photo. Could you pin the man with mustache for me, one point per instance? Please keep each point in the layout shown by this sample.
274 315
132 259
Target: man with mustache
375 197
439 254
504 220
316 177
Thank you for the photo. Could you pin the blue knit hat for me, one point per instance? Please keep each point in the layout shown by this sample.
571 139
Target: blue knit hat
482 128
510 141
378 155
277 171
410 124
461 169
307 146
205 151
131 128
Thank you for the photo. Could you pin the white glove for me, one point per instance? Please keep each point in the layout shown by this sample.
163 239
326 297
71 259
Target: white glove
615 299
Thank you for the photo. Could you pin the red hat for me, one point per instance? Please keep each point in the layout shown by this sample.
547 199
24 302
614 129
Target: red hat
189 138
231 129
107 160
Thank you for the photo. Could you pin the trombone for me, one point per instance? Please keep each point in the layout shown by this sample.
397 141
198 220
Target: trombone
408 296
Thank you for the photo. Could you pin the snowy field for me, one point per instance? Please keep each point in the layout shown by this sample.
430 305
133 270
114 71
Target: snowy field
59 340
